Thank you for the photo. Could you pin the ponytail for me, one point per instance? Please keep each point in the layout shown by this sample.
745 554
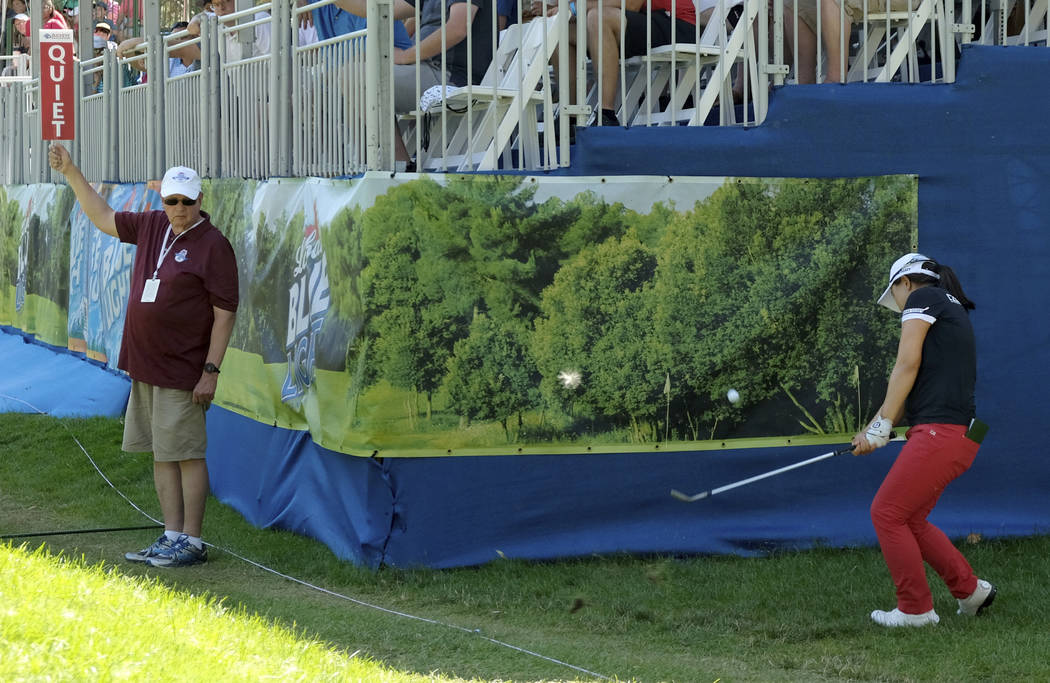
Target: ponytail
950 283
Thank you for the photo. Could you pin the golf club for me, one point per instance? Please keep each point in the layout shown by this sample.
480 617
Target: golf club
743 482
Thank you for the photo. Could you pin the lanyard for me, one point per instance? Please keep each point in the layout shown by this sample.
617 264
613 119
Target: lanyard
165 247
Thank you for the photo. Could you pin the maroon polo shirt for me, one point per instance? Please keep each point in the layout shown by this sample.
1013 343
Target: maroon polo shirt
165 342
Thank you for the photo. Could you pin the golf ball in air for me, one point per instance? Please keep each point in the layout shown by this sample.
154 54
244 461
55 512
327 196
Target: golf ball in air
733 395
570 378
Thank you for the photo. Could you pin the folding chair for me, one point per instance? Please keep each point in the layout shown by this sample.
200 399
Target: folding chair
891 39
702 71
488 118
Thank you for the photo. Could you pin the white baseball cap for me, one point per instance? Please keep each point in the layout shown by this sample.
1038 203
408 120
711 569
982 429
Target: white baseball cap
909 264
181 180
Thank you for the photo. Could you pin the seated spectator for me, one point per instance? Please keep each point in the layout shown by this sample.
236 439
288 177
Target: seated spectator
834 34
461 17
183 58
634 27
331 21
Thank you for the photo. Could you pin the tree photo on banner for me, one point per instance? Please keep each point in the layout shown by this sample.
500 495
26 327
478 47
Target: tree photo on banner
443 316
34 259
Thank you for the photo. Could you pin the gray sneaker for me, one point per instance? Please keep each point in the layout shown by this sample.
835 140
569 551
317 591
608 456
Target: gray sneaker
160 545
181 554
978 600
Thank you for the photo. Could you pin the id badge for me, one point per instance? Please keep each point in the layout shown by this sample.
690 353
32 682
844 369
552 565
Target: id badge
149 292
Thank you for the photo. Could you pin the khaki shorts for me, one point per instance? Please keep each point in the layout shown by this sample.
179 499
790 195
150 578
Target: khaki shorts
165 422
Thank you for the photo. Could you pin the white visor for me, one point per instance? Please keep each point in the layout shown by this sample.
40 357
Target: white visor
909 264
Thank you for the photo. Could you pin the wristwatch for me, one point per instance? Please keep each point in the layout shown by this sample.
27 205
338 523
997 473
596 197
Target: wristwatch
211 368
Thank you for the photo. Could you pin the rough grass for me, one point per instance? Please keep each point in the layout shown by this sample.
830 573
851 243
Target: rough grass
787 617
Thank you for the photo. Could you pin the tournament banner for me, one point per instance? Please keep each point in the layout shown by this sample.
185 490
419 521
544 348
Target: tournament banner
450 315
34 259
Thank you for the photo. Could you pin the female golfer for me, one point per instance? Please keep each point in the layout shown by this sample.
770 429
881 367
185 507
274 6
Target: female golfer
932 387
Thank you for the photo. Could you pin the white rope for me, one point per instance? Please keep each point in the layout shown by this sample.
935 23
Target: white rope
307 584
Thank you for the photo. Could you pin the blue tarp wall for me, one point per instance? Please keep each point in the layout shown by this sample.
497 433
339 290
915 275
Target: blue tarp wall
981 148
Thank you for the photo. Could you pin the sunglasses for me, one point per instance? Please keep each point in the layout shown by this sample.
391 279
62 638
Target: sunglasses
185 202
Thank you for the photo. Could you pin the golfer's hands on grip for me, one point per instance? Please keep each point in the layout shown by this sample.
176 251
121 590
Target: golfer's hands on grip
58 157
877 434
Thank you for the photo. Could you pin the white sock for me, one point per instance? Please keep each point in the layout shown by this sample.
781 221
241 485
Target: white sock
172 535
196 542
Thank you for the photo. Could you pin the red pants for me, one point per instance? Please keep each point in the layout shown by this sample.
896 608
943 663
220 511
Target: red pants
934 455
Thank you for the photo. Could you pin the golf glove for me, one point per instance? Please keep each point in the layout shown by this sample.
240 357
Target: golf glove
879 432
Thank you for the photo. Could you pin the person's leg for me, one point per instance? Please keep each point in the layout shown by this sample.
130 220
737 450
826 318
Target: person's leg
926 464
194 494
835 33
608 38
806 66
406 98
168 481
937 550
556 62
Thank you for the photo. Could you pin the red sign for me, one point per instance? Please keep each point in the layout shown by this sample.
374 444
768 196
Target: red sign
56 84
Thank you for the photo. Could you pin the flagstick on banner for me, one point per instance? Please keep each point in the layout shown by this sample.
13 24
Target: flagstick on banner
56 84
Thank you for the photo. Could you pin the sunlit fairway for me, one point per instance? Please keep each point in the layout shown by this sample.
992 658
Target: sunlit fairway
62 619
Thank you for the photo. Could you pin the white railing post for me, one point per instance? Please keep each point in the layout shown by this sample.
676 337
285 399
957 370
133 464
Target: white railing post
157 69
379 85
280 100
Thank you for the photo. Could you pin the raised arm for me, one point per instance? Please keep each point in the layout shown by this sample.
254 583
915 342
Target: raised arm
128 48
402 9
94 206
460 17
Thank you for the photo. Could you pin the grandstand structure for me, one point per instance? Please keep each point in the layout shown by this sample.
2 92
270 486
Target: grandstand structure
326 109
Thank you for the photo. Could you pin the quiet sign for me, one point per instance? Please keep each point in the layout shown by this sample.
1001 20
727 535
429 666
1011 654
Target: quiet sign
56 84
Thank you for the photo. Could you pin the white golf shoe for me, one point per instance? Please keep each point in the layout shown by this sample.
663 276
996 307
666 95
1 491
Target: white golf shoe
898 618
978 600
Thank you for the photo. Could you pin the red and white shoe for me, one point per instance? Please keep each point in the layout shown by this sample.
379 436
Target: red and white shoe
896 618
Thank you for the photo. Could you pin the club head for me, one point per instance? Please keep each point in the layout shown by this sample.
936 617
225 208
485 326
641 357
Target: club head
675 493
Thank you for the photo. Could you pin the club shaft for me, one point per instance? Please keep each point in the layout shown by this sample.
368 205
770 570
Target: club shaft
773 473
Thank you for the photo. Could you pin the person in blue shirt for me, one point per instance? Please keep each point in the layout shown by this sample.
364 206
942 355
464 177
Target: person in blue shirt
332 21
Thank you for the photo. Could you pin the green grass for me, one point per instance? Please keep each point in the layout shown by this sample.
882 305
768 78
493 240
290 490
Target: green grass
788 617
65 620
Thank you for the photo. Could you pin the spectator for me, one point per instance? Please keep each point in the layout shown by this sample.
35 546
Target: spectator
331 21
104 32
234 50
461 17
21 24
53 19
834 34
19 66
183 58
634 27
307 28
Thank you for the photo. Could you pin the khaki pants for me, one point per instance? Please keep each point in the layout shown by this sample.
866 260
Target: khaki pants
165 422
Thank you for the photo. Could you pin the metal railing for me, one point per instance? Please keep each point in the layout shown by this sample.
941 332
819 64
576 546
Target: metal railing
263 105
